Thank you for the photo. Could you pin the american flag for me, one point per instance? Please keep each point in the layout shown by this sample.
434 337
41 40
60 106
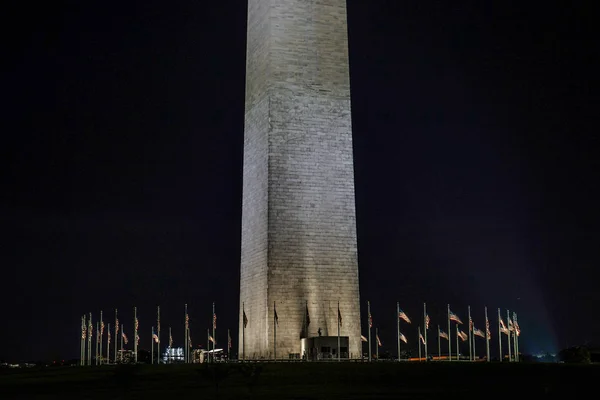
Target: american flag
370 320
517 327
117 326
170 340
83 329
155 337
444 335
108 337
422 338
470 323
487 329
362 338
137 324
402 315
101 328
339 315
190 340
229 346
214 321
478 332
212 339
503 328
427 321
245 320
90 331
454 317
187 321
124 337
276 317
511 327
378 341
403 338
463 336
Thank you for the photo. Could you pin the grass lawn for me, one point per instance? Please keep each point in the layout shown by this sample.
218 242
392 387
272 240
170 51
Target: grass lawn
301 381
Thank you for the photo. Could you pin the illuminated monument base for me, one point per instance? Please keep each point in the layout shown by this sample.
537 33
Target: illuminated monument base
299 250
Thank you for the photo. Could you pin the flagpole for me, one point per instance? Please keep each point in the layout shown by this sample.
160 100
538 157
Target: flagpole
474 348
274 332
208 342
108 343
369 314
135 335
116 334
243 332
338 321
425 325
186 351
419 341
515 323
487 336
90 330
158 334
121 342
169 358
439 345
101 337
152 347
228 345
509 349
457 346
470 334
81 342
449 336
499 335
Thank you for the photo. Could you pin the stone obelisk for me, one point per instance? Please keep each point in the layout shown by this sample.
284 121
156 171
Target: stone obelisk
299 245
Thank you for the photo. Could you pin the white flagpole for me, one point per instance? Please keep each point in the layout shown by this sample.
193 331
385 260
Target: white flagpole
499 336
121 343
449 336
457 346
369 322
101 335
82 341
487 338
517 358
425 335
90 328
135 335
508 336
116 334
398 327
158 334
470 335
108 343
419 341
186 351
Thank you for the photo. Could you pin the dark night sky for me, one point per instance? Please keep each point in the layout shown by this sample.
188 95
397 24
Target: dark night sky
475 138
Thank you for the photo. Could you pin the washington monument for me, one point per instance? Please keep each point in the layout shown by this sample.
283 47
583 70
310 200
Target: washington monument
299 250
